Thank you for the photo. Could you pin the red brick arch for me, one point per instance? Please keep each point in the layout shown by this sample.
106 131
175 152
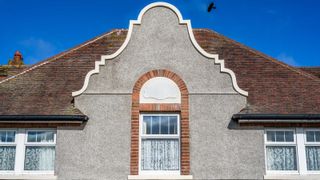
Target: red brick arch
182 108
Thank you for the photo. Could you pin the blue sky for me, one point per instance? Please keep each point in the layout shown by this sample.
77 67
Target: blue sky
284 29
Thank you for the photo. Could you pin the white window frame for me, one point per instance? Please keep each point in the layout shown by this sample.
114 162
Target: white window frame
309 144
160 136
266 143
21 143
300 143
10 144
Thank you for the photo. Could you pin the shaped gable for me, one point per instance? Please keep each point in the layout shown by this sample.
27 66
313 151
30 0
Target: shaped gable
160 39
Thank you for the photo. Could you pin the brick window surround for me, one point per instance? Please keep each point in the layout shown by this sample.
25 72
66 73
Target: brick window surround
182 108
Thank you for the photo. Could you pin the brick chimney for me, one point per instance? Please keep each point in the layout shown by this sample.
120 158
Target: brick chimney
17 60
14 66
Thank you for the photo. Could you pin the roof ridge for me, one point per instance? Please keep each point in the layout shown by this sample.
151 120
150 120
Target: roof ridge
55 57
51 59
307 66
263 55
310 69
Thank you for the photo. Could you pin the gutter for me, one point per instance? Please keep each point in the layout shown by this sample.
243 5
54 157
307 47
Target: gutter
43 118
277 118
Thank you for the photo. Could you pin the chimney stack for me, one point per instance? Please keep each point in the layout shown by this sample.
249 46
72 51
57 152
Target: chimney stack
17 60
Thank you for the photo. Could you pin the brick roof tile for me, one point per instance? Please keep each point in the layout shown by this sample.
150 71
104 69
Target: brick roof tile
45 88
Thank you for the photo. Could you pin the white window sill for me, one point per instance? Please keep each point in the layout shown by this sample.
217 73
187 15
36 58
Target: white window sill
160 177
28 176
293 176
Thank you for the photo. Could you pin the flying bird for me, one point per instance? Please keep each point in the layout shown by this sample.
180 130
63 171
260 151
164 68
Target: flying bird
211 6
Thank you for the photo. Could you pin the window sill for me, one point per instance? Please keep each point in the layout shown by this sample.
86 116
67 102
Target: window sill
293 176
28 176
159 177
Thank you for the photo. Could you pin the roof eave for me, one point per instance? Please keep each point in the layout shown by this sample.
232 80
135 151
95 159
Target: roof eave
43 118
277 118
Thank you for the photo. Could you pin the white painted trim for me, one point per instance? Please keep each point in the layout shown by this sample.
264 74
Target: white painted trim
159 177
47 177
294 144
40 143
301 144
287 177
305 137
21 144
301 151
160 90
130 93
306 144
20 152
160 136
192 38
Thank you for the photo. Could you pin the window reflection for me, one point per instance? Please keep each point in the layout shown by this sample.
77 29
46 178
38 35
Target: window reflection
164 125
147 125
160 125
155 125
173 125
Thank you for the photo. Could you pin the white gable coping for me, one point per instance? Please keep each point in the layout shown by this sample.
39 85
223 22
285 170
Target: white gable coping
215 57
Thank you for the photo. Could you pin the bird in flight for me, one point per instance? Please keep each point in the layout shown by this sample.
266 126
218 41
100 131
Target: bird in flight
211 6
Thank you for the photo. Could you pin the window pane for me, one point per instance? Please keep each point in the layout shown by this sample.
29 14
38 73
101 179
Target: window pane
173 125
281 158
164 125
40 136
160 154
279 136
317 136
45 136
39 158
313 158
7 158
289 136
155 125
310 136
11 136
32 136
271 136
7 136
3 136
313 136
146 124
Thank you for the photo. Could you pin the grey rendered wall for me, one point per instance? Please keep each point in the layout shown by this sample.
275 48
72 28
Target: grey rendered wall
101 150
219 152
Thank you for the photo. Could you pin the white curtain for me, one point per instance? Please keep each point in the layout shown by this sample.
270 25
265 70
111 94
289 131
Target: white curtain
160 154
313 158
39 158
7 158
281 158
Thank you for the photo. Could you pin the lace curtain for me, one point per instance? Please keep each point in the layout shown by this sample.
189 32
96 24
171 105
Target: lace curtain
7 158
281 158
39 158
313 158
162 154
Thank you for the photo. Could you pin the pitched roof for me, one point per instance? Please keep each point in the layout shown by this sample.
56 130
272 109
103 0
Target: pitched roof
45 88
312 70
7 71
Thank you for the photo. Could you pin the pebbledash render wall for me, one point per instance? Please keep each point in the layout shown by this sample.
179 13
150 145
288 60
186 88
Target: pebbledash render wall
218 148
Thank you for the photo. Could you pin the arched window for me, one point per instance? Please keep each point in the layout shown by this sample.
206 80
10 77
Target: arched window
159 131
160 125
159 144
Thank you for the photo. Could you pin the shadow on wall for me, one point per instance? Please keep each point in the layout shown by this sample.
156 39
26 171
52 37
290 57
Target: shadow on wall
234 125
79 128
